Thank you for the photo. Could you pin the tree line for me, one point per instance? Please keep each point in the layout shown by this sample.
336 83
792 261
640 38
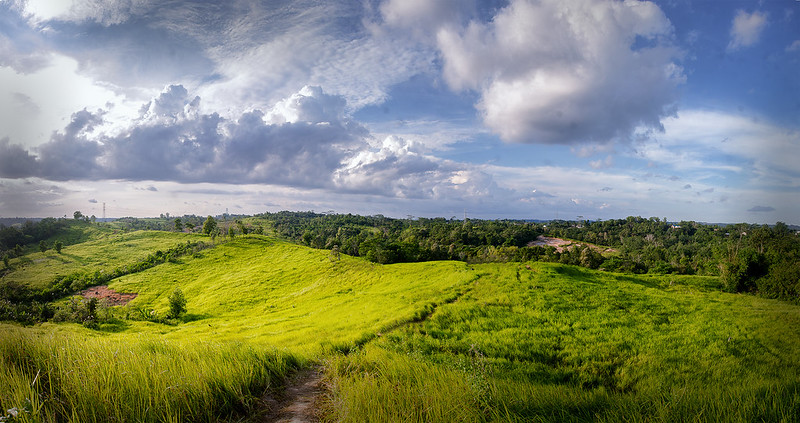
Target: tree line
749 258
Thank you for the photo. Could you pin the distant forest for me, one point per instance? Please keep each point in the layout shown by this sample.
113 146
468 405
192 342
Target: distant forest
757 259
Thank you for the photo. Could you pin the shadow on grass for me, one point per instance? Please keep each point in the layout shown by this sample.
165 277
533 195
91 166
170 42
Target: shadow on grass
192 317
580 274
114 326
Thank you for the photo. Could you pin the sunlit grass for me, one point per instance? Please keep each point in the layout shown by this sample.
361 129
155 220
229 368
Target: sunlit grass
435 341
271 292
559 343
85 379
104 253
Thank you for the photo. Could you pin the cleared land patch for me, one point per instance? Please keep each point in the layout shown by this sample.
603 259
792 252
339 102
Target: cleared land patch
104 293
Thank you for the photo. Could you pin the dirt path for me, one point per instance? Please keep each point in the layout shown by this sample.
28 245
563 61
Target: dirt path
298 403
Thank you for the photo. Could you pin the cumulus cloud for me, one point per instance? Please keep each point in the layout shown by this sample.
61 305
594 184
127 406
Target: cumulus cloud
306 140
399 167
746 29
15 161
567 72
795 46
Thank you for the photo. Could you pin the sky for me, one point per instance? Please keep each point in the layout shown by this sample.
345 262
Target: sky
520 109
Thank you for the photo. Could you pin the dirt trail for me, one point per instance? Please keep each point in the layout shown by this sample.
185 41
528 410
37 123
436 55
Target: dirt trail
298 403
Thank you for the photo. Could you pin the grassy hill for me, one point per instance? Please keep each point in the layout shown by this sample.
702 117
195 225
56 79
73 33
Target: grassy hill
434 341
104 251
271 292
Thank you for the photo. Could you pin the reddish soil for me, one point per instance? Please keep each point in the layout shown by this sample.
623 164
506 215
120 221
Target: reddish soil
110 296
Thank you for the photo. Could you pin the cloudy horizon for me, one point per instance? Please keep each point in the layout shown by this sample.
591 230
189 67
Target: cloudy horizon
524 109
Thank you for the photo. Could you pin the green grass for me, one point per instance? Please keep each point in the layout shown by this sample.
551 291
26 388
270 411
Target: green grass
67 378
105 252
560 343
271 292
433 342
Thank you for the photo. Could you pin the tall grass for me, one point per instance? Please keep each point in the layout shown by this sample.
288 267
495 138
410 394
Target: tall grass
558 343
375 385
71 378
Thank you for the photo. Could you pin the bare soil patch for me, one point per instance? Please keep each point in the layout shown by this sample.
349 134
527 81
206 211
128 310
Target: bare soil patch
298 403
563 244
103 292
546 241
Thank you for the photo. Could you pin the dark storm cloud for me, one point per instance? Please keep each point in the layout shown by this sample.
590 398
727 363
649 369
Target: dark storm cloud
16 162
70 154
761 209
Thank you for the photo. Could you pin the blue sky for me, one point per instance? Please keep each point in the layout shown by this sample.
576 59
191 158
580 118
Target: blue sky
532 109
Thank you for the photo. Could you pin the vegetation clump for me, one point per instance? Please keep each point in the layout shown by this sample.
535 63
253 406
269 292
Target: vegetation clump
177 304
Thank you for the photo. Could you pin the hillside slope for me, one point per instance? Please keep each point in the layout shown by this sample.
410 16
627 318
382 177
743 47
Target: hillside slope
432 341
272 292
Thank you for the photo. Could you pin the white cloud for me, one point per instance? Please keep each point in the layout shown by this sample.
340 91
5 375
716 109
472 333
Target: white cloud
795 46
305 140
425 17
566 72
601 164
49 96
746 29
273 53
44 10
764 154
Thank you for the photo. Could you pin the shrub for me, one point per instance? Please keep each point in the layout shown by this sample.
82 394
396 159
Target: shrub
177 303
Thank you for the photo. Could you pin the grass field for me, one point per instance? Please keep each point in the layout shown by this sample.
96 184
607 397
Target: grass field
436 341
558 343
105 252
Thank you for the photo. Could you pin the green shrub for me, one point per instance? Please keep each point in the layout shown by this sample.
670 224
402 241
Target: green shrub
177 303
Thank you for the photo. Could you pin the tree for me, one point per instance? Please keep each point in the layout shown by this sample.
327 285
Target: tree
177 303
77 215
58 245
5 261
178 225
42 246
209 225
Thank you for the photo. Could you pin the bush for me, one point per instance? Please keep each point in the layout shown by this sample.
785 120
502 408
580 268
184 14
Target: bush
177 303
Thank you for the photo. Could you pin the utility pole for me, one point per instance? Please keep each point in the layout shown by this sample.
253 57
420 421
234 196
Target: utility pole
104 211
